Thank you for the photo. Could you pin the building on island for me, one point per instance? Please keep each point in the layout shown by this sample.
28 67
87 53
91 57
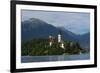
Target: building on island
59 40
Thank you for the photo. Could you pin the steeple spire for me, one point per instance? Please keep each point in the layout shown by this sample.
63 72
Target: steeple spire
59 36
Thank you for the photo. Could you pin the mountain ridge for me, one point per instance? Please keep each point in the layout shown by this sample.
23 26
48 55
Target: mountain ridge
36 28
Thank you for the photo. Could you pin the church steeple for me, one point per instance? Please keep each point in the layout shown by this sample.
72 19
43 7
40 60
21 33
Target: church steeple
59 37
59 40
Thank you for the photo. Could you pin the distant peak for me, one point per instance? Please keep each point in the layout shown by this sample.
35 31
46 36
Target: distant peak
33 19
36 19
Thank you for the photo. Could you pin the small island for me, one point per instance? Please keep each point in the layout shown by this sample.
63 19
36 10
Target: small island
51 46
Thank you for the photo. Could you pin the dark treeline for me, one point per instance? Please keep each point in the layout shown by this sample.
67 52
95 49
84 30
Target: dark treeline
40 47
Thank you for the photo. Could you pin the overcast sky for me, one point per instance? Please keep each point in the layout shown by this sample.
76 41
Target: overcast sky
78 23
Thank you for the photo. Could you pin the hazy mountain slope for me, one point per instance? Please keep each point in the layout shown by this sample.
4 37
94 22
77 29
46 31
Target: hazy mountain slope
35 28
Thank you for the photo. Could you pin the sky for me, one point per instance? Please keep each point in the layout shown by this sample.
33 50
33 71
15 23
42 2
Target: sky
76 22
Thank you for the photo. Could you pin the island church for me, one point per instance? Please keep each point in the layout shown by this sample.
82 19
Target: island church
59 40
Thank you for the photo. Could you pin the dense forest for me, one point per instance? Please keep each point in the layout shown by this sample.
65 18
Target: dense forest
40 47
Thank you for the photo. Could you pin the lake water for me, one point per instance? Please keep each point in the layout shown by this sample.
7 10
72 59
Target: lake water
26 59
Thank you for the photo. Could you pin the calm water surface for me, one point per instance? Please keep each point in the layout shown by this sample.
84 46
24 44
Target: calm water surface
25 59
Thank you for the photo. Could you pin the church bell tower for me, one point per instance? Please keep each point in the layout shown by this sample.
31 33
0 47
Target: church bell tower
59 37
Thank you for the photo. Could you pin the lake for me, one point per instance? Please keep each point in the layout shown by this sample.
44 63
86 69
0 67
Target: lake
26 59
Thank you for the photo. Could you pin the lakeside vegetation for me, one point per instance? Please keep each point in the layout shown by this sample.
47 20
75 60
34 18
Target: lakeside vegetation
40 47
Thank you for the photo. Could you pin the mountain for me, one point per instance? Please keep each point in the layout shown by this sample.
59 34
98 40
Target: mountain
68 34
84 40
36 28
